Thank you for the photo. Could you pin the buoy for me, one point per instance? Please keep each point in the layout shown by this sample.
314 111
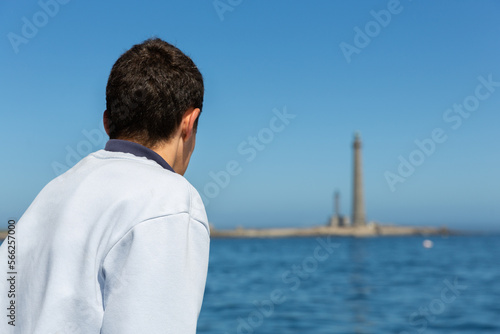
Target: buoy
428 243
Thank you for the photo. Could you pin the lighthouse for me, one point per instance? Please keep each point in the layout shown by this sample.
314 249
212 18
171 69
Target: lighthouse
358 205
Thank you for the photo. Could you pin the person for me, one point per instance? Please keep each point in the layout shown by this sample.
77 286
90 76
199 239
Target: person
120 242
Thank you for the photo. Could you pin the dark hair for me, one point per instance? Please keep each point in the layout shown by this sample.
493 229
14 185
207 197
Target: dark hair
149 89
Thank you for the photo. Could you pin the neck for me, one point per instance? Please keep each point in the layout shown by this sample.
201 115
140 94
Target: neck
169 151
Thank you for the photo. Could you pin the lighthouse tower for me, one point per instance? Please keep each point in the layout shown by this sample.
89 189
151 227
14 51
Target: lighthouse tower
358 205
337 219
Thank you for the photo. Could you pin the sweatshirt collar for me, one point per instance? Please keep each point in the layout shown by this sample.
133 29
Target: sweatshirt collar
125 146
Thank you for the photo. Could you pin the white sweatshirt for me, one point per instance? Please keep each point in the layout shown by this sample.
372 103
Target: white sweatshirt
117 244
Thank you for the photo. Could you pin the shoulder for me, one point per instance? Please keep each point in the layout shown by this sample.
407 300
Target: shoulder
177 195
164 193
129 190
197 208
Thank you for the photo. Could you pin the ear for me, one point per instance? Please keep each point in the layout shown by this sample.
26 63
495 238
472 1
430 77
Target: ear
105 121
187 123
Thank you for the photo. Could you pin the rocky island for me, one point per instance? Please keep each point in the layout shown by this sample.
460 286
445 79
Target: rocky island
369 230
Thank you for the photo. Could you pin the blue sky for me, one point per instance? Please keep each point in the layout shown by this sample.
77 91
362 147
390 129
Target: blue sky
395 71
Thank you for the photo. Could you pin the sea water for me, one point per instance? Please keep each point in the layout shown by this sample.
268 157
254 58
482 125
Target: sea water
353 285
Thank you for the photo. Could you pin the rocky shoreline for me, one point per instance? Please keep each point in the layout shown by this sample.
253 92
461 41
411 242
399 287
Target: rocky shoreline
370 230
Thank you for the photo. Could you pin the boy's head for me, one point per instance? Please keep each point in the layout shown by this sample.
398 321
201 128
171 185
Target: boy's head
149 91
